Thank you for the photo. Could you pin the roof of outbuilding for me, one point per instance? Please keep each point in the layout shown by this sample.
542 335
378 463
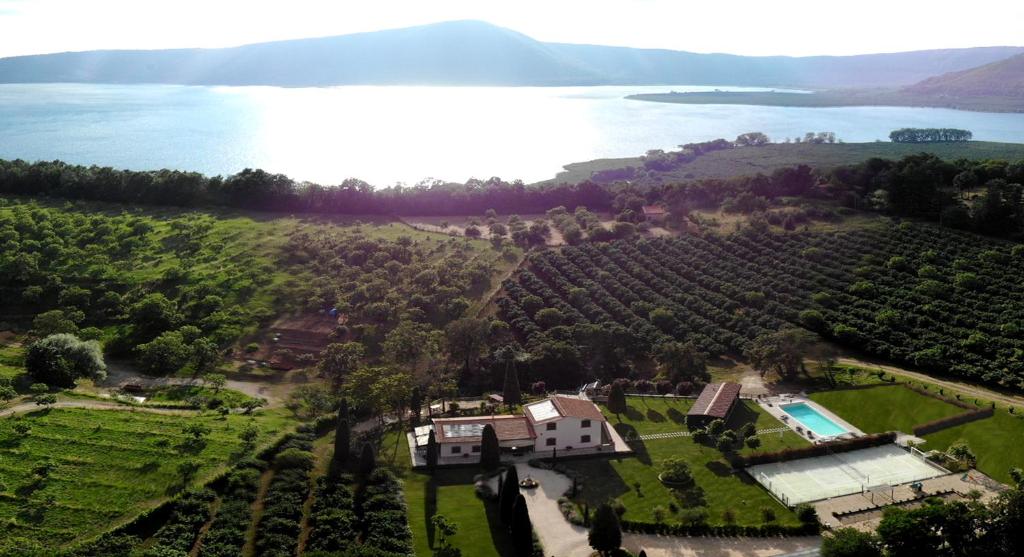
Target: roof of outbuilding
715 400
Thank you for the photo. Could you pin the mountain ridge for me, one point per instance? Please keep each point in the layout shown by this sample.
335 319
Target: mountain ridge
469 52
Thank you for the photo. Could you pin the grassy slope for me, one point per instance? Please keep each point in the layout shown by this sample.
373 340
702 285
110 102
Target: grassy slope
110 465
904 97
719 489
885 408
996 441
738 162
453 496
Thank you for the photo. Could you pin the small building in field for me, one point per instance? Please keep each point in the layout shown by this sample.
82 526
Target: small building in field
655 213
716 402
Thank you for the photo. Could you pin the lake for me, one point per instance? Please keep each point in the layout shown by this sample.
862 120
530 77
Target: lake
388 134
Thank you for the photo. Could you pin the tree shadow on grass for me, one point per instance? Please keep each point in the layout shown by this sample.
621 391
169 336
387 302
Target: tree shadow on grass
676 416
719 468
691 498
499 534
599 481
430 509
655 416
742 415
634 414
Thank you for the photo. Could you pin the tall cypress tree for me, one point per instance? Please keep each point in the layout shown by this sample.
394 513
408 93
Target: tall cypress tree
367 460
490 451
617 399
342 437
511 393
522 528
605 532
509 494
432 452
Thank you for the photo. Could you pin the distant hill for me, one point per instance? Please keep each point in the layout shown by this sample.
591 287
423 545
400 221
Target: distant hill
1004 78
478 53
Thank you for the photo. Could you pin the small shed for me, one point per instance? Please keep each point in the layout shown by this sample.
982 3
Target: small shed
716 402
654 212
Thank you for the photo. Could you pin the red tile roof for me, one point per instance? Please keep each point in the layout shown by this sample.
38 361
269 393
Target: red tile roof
508 428
577 408
654 210
715 400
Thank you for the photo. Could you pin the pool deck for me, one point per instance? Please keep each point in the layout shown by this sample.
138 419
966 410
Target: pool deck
773 405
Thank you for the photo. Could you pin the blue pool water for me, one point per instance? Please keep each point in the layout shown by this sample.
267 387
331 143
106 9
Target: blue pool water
813 420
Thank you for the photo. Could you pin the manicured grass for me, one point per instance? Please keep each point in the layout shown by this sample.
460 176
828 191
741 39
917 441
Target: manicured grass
718 489
885 408
998 442
109 465
12 357
448 492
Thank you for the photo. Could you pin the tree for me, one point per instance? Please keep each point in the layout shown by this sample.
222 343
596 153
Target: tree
522 528
62 359
681 361
55 322
216 381
187 470
204 355
367 460
444 527
340 359
617 400
7 392
511 393
508 495
848 542
781 351
465 340
152 315
490 451
605 532
342 437
432 452
165 354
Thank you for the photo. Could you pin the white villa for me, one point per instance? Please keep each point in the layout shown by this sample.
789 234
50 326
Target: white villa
559 425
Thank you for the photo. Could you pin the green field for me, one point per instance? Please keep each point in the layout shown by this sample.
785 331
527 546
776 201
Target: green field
107 466
450 493
11 358
997 442
767 158
718 488
885 408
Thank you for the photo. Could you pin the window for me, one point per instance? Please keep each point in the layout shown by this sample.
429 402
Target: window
586 423
551 441
552 427
585 439
456 449
475 448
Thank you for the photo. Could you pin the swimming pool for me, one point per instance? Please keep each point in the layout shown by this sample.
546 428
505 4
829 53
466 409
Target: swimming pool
813 420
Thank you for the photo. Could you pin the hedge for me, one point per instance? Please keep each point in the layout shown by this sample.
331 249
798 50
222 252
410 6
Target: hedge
226 535
726 530
821 449
952 421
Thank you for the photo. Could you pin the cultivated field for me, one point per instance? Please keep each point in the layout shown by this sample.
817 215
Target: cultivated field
77 472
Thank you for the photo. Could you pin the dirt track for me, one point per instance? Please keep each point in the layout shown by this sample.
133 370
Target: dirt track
966 388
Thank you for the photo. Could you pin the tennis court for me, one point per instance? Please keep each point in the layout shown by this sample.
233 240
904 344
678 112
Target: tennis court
822 477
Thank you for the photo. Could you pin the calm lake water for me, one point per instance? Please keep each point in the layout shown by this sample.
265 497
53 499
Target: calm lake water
389 134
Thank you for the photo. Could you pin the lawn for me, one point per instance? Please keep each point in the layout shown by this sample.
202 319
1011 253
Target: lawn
450 493
106 466
12 356
997 442
718 489
884 408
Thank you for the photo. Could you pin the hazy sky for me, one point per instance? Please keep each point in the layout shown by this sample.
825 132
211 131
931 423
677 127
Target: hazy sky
762 27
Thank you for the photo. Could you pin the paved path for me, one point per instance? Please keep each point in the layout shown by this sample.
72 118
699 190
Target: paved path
562 539
91 404
119 373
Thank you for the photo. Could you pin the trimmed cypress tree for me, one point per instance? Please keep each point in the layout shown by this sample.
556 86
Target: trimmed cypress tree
508 495
432 452
342 438
522 528
605 532
490 452
617 400
642 553
511 393
367 460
